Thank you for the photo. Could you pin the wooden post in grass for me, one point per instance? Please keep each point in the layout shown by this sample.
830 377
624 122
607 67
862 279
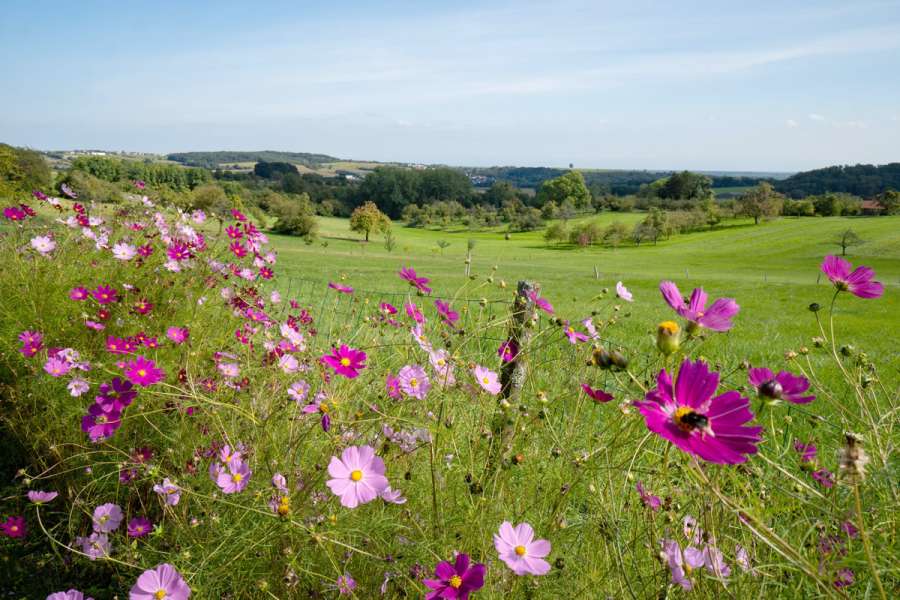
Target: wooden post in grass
514 372
596 272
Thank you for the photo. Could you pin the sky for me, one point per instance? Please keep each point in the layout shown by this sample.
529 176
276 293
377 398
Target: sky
721 85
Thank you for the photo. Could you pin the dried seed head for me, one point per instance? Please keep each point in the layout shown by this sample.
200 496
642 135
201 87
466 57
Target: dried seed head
852 459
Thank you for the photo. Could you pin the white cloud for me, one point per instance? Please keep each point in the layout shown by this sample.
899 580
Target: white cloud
816 117
791 123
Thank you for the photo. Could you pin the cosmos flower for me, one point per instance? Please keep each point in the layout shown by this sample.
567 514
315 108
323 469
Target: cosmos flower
824 477
574 336
288 363
178 335
79 293
487 379
623 293
681 563
392 386
104 294
859 282
235 478
102 420
413 312
717 317
107 517
298 391
357 477
319 405
69 595
77 386
456 580
14 527
690 417
414 381
345 584
597 395
392 496
520 551
143 371
346 361
169 491
408 274
43 244
39 497
57 366
508 350
440 361
541 303
139 527
387 308
65 189
650 501
95 545
344 289
163 582
784 386
449 316
124 251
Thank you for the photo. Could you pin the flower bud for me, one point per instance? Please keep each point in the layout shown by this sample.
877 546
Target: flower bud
814 307
668 337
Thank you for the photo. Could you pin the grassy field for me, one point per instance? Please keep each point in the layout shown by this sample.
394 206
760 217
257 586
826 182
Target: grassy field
772 270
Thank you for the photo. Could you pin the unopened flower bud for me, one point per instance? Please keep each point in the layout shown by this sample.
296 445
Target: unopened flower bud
668 337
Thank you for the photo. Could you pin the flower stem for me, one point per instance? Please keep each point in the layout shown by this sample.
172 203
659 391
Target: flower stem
865 539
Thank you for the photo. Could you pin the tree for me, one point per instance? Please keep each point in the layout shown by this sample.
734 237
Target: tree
686 186
615 233
22 170
890 200
569 186
557 232
847 238
294 215
368 219
761 201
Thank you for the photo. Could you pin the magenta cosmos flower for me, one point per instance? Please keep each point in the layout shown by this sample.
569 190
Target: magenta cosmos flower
344 289
143 371
541 303
139 527
520 551
508 350
104 294
178 335
408 274
859 282
449 316
358 476
574 336
162 583
413 381
70 595
784 386
456 580
597 395
650 501
346 361
487 379
690 417
14 527
717 317
79 293
39 497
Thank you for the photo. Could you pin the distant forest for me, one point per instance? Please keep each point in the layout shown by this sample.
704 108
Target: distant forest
212 160
860 180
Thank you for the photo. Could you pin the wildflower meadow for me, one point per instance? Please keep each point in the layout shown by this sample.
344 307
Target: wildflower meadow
180 424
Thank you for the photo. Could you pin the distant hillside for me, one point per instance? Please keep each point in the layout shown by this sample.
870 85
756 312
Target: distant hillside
212 160
860 180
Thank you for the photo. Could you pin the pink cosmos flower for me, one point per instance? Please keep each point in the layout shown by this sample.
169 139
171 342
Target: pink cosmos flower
591 329
455 581
346 361
623 293
358 476
77 386
14 527
139 527
319 405
235 478
414 381
784 386
824 477
408 274
345 584
413 312
124 251
449 316
440 361
104 294
520 551
392 496
39 497
487 379
102 420
508 350
574 336
65 189
298 391
541 303
679 563
597 395
143 372
650 501
78 293
717 317
161 583
690 417
43 244
178 335
107 517
387 308
70 595
57 366
859 282
169 491
392 385
288 363
344 289
95 545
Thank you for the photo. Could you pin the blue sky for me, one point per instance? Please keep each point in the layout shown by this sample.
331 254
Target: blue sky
703 85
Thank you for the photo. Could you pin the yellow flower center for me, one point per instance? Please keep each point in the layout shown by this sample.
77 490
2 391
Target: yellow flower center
323 407
520 550
570 329
14 528
456 582
688 419
142 372
670 327
485 380
160 594
345 362
414 382
237 477
356 475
